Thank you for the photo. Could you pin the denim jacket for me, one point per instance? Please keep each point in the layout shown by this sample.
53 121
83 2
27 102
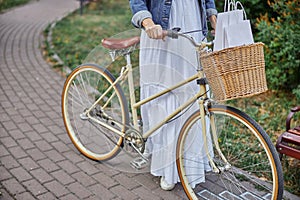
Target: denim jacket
159 12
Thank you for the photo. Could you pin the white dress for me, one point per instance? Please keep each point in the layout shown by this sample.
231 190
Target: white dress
163 64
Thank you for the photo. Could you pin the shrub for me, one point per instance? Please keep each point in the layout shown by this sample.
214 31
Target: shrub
282 38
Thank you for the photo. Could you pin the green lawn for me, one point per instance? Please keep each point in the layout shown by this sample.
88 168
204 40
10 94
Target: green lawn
6 4
76 37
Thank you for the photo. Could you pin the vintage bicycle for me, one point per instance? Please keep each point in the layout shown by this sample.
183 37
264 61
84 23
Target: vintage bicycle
101 122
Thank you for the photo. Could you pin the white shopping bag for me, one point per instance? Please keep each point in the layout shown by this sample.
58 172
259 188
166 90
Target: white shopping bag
227 27
238 34
219 41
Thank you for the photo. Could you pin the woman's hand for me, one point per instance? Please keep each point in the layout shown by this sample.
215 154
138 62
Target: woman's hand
153 31
213 23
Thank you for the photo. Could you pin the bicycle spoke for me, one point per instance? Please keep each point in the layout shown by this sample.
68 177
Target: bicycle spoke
249 153
82 88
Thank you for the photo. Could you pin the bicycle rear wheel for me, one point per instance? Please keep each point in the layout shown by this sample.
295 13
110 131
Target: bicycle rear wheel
254 172
81 90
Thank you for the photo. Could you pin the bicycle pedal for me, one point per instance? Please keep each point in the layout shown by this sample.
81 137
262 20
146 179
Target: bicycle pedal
139 163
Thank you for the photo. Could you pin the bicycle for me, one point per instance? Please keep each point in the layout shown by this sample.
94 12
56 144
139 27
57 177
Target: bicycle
100 123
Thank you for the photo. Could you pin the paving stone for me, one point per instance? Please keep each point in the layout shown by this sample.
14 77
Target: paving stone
31 120
43 145
68 166
123 193
127 182
63 177
170 195
4 174
56 129
16 134
87 168
49 137
33 136
35 187
46 121
101 191
46 196
60 146
64 138
54 155
69 197
20 174
147 181
41 175
3 132
79 190
36 154
13 186
17 152
73 156
40 128
25 127
4 117
84 179
32 107
28 163
38 113
108 170
24 196
25 112
9 162
18 105
48 165
56 188
18 119
145 193
8 142
9 125
5 195
105 180
25 143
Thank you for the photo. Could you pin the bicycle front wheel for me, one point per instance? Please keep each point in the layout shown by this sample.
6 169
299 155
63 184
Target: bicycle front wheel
93 133
252 170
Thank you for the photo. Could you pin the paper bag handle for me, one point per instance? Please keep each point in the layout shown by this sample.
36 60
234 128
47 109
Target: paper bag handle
236 7
230 6
233 5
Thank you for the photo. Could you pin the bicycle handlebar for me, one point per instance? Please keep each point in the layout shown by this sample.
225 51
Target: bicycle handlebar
175 35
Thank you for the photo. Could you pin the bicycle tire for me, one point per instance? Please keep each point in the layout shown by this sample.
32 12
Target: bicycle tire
83 86
255 166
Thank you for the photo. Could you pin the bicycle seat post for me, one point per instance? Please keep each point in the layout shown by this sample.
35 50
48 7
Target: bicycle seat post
131 90
128 59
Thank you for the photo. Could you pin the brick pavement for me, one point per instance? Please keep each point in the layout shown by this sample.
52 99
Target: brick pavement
37 159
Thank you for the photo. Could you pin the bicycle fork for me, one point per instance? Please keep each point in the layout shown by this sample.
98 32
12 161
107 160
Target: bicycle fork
204 112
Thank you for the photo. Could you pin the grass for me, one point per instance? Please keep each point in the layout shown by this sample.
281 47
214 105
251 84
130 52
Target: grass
77 37
6 4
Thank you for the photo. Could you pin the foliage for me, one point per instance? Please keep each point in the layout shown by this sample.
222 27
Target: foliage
253 9
281 36
6 4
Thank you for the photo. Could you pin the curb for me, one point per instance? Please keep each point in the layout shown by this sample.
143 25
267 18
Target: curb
63 69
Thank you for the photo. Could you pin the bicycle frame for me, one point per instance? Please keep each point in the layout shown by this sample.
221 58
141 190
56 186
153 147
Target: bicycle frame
201 96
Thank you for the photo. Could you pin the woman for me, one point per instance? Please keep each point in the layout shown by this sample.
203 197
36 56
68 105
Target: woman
161 66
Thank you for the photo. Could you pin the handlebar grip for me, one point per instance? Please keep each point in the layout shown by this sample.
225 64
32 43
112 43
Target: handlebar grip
172 34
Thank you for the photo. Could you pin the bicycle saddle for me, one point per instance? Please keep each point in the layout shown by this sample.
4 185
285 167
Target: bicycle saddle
115 44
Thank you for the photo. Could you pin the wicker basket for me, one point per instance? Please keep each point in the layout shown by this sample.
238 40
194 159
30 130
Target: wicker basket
235 72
